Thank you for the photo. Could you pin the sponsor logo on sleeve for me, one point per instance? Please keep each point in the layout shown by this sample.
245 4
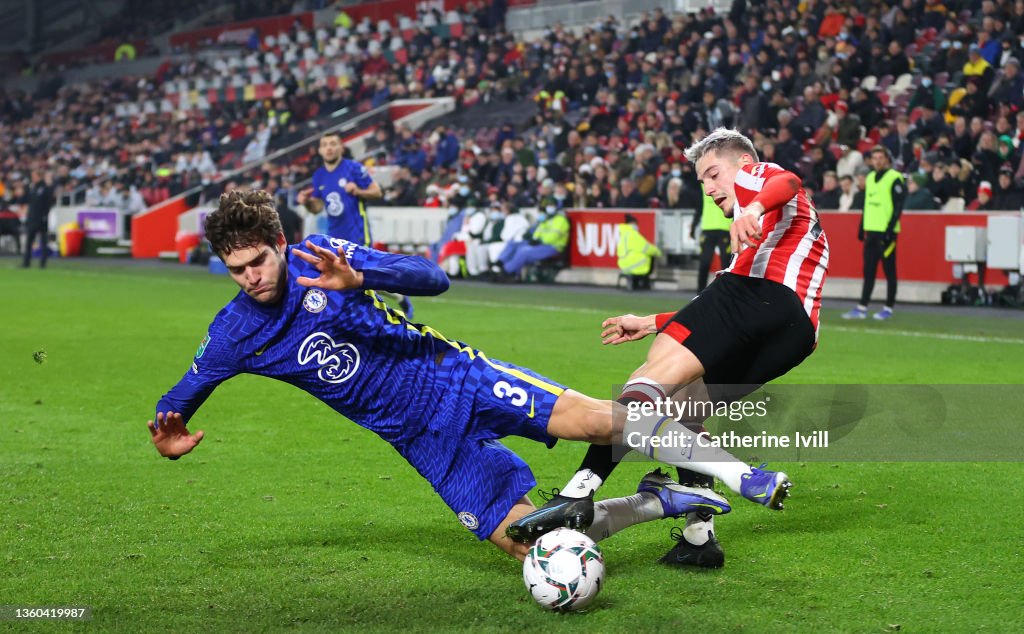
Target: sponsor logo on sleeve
202 346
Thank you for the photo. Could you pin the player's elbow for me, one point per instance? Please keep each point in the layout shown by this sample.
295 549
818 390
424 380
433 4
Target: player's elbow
437 281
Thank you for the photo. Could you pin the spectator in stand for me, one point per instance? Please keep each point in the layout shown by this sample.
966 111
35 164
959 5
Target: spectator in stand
447 144
811 117
1005 150
860 179
848 126
850 160
977 66
868 107
848 193
753 111
895 60
927 94
984 200
821 162
1008 87
973 104
628 196
941 185
827 198
930 126
918 194
986 159
788 150
1008 194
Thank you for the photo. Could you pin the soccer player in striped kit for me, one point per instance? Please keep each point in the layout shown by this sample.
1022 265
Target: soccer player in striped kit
754 323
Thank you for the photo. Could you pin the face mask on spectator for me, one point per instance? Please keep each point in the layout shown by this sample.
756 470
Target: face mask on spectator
766 86
926 82
945 44
464 191
676 172
551 209
713 60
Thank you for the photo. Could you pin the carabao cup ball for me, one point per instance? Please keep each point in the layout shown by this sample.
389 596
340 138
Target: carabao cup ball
564 570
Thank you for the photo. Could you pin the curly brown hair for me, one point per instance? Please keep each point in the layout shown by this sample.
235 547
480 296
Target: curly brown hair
243 219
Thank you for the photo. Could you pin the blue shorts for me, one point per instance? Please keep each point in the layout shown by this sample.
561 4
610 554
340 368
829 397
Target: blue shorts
485 478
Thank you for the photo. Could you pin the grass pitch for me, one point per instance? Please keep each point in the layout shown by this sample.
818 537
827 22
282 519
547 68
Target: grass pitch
289 517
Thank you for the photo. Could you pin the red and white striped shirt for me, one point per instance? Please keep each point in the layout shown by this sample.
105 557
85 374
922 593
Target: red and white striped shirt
793 250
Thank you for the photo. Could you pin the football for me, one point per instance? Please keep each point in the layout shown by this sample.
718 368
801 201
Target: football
564 570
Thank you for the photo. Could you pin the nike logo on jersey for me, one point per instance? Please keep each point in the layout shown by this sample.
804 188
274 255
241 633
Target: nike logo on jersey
530 415
263 349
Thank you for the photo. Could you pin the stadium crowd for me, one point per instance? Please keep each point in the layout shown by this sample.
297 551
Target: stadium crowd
815 84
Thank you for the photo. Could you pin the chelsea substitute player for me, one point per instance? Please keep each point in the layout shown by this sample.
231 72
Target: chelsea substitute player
341 187
308 315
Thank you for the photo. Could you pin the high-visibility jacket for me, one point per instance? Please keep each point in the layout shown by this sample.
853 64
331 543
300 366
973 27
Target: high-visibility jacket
878 203
711 215
553 232
634 251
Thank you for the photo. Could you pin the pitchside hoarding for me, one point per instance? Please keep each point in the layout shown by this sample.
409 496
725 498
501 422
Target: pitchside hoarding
595 234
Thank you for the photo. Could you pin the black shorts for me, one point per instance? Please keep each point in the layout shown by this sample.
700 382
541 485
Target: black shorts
746 331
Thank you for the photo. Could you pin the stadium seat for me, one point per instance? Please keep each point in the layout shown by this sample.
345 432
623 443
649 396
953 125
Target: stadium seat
869 83
954 204
903 82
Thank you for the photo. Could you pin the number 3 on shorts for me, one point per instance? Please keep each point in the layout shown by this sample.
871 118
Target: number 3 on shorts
516 395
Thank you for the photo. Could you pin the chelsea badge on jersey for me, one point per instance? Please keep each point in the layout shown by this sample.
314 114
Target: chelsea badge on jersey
315 300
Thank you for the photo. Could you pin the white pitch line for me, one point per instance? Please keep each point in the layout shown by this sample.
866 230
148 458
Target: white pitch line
825 328
925 335
483 304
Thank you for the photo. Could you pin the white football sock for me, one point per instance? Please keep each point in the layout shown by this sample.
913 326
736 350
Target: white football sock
611 516
582 484
698 531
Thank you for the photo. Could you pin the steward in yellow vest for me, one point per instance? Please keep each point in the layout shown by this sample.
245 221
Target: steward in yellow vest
884 194
635 254
714 234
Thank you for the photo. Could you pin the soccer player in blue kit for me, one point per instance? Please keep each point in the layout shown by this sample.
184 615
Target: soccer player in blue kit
309 315
341 188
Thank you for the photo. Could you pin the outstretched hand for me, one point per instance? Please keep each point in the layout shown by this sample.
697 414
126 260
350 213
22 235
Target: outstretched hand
335 272
746 230
626 328
170 437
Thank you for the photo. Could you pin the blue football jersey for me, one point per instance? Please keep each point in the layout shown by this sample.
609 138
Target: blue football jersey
406 382
346 214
